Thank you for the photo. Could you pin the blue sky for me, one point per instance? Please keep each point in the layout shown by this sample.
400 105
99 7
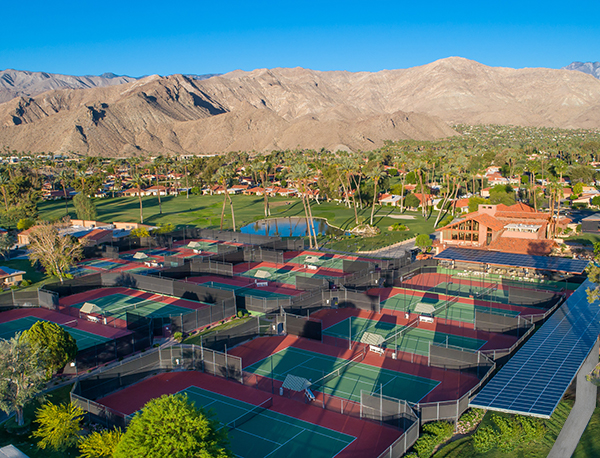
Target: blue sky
138 38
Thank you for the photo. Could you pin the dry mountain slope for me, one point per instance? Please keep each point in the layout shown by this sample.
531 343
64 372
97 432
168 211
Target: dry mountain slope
16 83
288 108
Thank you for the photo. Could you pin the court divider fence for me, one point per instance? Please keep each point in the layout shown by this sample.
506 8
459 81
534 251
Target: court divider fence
394 412
112 378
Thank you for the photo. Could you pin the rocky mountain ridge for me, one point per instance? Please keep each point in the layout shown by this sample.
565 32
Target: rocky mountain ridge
286 108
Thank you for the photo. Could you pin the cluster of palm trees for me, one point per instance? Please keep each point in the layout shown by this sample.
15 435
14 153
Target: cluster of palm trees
453 167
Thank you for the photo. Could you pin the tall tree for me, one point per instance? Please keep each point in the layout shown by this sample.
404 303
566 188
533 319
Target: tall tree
56 253
56 344
375 175
139 182
59 426
223 176
4 182
300 172
22 375
172 426
65 177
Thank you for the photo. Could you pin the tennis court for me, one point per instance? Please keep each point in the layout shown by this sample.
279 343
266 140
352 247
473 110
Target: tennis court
287 274
102 264
414 340
117 306
81 271
353 377
84 339
321 260
456 310
258 432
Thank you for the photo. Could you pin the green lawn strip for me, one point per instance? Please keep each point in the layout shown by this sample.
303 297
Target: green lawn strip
589 444
464 447
205 211
414 341
28 444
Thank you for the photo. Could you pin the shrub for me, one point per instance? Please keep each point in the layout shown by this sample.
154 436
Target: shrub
485 439
426 445
178 336
469 420
25 223
140 232
440 429
511 432
533 429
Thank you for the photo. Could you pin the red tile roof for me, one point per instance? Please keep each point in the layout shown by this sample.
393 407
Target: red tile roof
522 246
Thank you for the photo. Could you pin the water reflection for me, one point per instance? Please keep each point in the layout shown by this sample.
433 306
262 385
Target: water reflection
288 227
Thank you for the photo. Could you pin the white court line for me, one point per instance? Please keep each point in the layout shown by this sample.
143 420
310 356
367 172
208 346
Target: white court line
286 442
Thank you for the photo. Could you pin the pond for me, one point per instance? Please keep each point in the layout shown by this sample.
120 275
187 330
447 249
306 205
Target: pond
288 227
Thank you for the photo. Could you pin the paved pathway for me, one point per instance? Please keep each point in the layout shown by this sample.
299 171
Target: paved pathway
585 403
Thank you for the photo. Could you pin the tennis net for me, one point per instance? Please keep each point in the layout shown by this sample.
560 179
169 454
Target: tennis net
71 324
412 325
340 370
485 292
249 415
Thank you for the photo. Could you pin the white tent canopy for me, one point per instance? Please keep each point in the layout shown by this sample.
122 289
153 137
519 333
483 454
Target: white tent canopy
88 308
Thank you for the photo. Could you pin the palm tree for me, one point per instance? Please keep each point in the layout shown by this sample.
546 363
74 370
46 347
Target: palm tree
4 181
299 173
138 181
375 174
223 176
65 176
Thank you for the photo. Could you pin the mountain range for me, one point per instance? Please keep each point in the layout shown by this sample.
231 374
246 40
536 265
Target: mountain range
286 108
591 68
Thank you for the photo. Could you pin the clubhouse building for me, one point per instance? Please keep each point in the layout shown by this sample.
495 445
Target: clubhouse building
516 228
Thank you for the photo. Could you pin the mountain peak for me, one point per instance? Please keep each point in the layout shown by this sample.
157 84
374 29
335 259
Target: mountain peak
591 68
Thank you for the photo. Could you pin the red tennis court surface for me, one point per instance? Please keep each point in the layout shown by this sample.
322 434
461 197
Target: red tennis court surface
89 296
60 318
495 341
452 385
372 439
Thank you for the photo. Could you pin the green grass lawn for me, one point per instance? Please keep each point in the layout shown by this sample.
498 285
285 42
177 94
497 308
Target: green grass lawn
464 447
205 211
584 239
28 444
25 265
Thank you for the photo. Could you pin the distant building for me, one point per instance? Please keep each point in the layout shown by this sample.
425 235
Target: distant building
591 224
10 277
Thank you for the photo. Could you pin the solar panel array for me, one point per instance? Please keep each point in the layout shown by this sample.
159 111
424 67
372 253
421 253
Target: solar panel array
551 263
535 379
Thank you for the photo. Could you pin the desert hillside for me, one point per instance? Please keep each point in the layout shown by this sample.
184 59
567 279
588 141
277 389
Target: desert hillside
285 108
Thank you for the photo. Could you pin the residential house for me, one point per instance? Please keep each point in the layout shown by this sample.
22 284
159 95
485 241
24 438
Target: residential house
96 237
392 200
10 277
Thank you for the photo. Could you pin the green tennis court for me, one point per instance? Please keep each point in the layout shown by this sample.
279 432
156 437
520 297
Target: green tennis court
353 379
84 339
283 275
270 433
318 260
457 311
117 306
102 264
413 341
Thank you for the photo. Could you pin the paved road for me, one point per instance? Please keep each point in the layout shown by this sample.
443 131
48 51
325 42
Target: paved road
585 403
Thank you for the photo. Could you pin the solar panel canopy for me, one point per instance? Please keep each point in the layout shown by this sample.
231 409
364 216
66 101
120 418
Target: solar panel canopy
552 263
535 379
